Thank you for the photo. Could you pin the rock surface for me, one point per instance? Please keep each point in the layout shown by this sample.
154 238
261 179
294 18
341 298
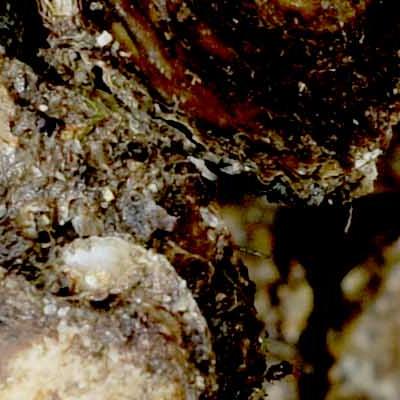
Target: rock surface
300 94
95 156
121 123
152 343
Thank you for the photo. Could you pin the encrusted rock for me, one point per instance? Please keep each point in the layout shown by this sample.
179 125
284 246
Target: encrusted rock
96 157
152 343
299 94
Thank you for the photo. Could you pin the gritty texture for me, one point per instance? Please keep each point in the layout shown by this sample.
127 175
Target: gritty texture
125 120
93 155
152 336
299 94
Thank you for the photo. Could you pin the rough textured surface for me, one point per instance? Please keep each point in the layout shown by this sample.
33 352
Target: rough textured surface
299 94
134 116
152 343
315 15
93 155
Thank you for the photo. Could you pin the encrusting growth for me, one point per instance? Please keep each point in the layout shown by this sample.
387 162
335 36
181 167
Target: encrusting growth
122 124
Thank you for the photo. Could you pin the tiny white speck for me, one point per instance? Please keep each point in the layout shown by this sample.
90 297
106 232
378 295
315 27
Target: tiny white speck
200 382
19 83
302 86
50 309
96 5
91 281
108 195
62 312
166 299
153 188
104 39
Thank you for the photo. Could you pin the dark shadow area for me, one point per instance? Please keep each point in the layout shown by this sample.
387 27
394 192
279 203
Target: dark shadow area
328 244
22 33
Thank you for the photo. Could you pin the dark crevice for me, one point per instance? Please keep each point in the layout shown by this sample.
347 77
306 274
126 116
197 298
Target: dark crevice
317 238
22 32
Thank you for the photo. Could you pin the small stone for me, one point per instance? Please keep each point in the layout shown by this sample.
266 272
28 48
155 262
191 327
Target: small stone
50 309
107 194
104 39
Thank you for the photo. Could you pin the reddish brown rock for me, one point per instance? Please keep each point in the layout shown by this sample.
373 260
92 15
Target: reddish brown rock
298 94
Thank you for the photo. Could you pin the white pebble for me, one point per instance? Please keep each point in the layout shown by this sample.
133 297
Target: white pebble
104 39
